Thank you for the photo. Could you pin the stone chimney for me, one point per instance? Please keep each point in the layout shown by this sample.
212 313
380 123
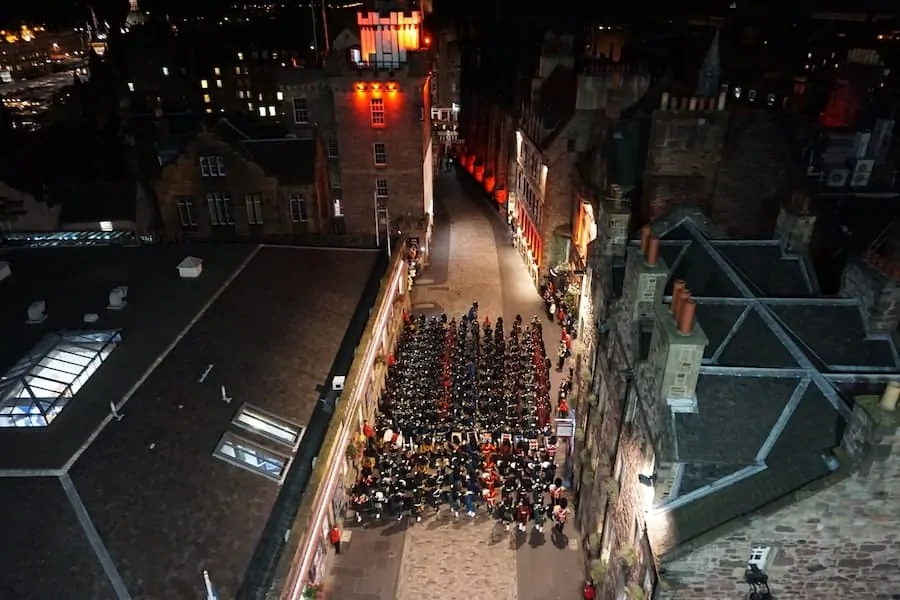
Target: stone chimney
795 224
676 351
645 277
871 440
875 281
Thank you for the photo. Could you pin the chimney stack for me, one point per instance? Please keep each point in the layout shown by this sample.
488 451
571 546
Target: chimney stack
653 251
686 315
678 288
890 396
645 239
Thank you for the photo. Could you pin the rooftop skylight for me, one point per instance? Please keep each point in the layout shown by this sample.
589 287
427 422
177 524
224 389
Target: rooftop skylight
38 388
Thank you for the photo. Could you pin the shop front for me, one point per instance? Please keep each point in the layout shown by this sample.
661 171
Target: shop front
528 242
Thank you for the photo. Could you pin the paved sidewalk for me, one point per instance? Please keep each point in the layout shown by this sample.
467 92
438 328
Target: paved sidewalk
368 567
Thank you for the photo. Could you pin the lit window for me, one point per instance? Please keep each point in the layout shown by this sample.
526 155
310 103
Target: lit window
271 111
268 425
279 95
219 83
186 213
262 111
338 208
130 86
37 389
376 108
240 93
219 210
254 209
204 84
237 70
253 457
206 98
260 97
106 226
217 71
381 188
332 149
165 71
212 166
250 106
380 154
298 208
301 114
240 56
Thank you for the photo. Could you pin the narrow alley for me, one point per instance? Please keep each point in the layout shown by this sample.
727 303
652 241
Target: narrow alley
471 260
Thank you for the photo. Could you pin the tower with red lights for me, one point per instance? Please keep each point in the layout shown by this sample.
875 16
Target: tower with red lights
383 118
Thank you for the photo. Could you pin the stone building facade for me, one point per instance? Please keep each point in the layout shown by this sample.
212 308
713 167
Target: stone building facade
687 136
226 186
383 125
709 439
755 172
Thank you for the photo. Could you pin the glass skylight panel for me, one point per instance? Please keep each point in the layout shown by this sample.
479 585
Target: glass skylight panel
35 391
253 457
268 425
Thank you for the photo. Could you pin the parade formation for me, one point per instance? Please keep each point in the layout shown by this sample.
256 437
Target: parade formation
464 425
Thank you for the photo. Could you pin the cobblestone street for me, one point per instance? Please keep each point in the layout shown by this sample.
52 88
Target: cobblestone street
465 559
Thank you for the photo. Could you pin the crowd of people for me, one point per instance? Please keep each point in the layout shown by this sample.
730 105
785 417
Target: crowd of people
465 425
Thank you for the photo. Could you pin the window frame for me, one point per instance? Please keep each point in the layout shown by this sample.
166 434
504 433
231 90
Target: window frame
213 166
253 204
379 154
379 184
185 208
301 113
332 149
219 207
273 420
298 209
237 441
376 112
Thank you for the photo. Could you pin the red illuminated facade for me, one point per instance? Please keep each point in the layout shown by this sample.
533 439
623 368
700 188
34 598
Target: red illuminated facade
843 106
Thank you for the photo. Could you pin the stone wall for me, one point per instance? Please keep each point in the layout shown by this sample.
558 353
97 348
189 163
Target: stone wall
875 282
836 539
754 172
406 114
181 180
686 140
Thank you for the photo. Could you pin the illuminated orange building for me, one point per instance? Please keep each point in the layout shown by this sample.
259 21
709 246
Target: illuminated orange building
382 120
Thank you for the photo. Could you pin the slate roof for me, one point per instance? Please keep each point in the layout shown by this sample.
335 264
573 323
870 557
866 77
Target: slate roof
163 507
776 380
291 161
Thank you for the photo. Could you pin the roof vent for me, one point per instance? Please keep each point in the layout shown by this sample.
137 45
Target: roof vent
190 268
118 298
5 270
91 317
337 383
37 312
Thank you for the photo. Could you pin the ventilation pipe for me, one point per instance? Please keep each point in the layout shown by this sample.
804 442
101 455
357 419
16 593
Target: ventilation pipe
677 288
686 315
645 239
653 251
890 396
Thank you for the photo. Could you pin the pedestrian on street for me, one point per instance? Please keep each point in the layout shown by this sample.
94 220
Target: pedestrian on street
563 408
589 592
556 492
540 517
561 353
334 536
523 515
561 514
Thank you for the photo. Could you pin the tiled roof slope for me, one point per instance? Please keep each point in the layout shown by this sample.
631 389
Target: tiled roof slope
771 398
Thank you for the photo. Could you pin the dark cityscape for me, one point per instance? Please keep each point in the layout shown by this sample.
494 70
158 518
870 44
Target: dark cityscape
406 299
